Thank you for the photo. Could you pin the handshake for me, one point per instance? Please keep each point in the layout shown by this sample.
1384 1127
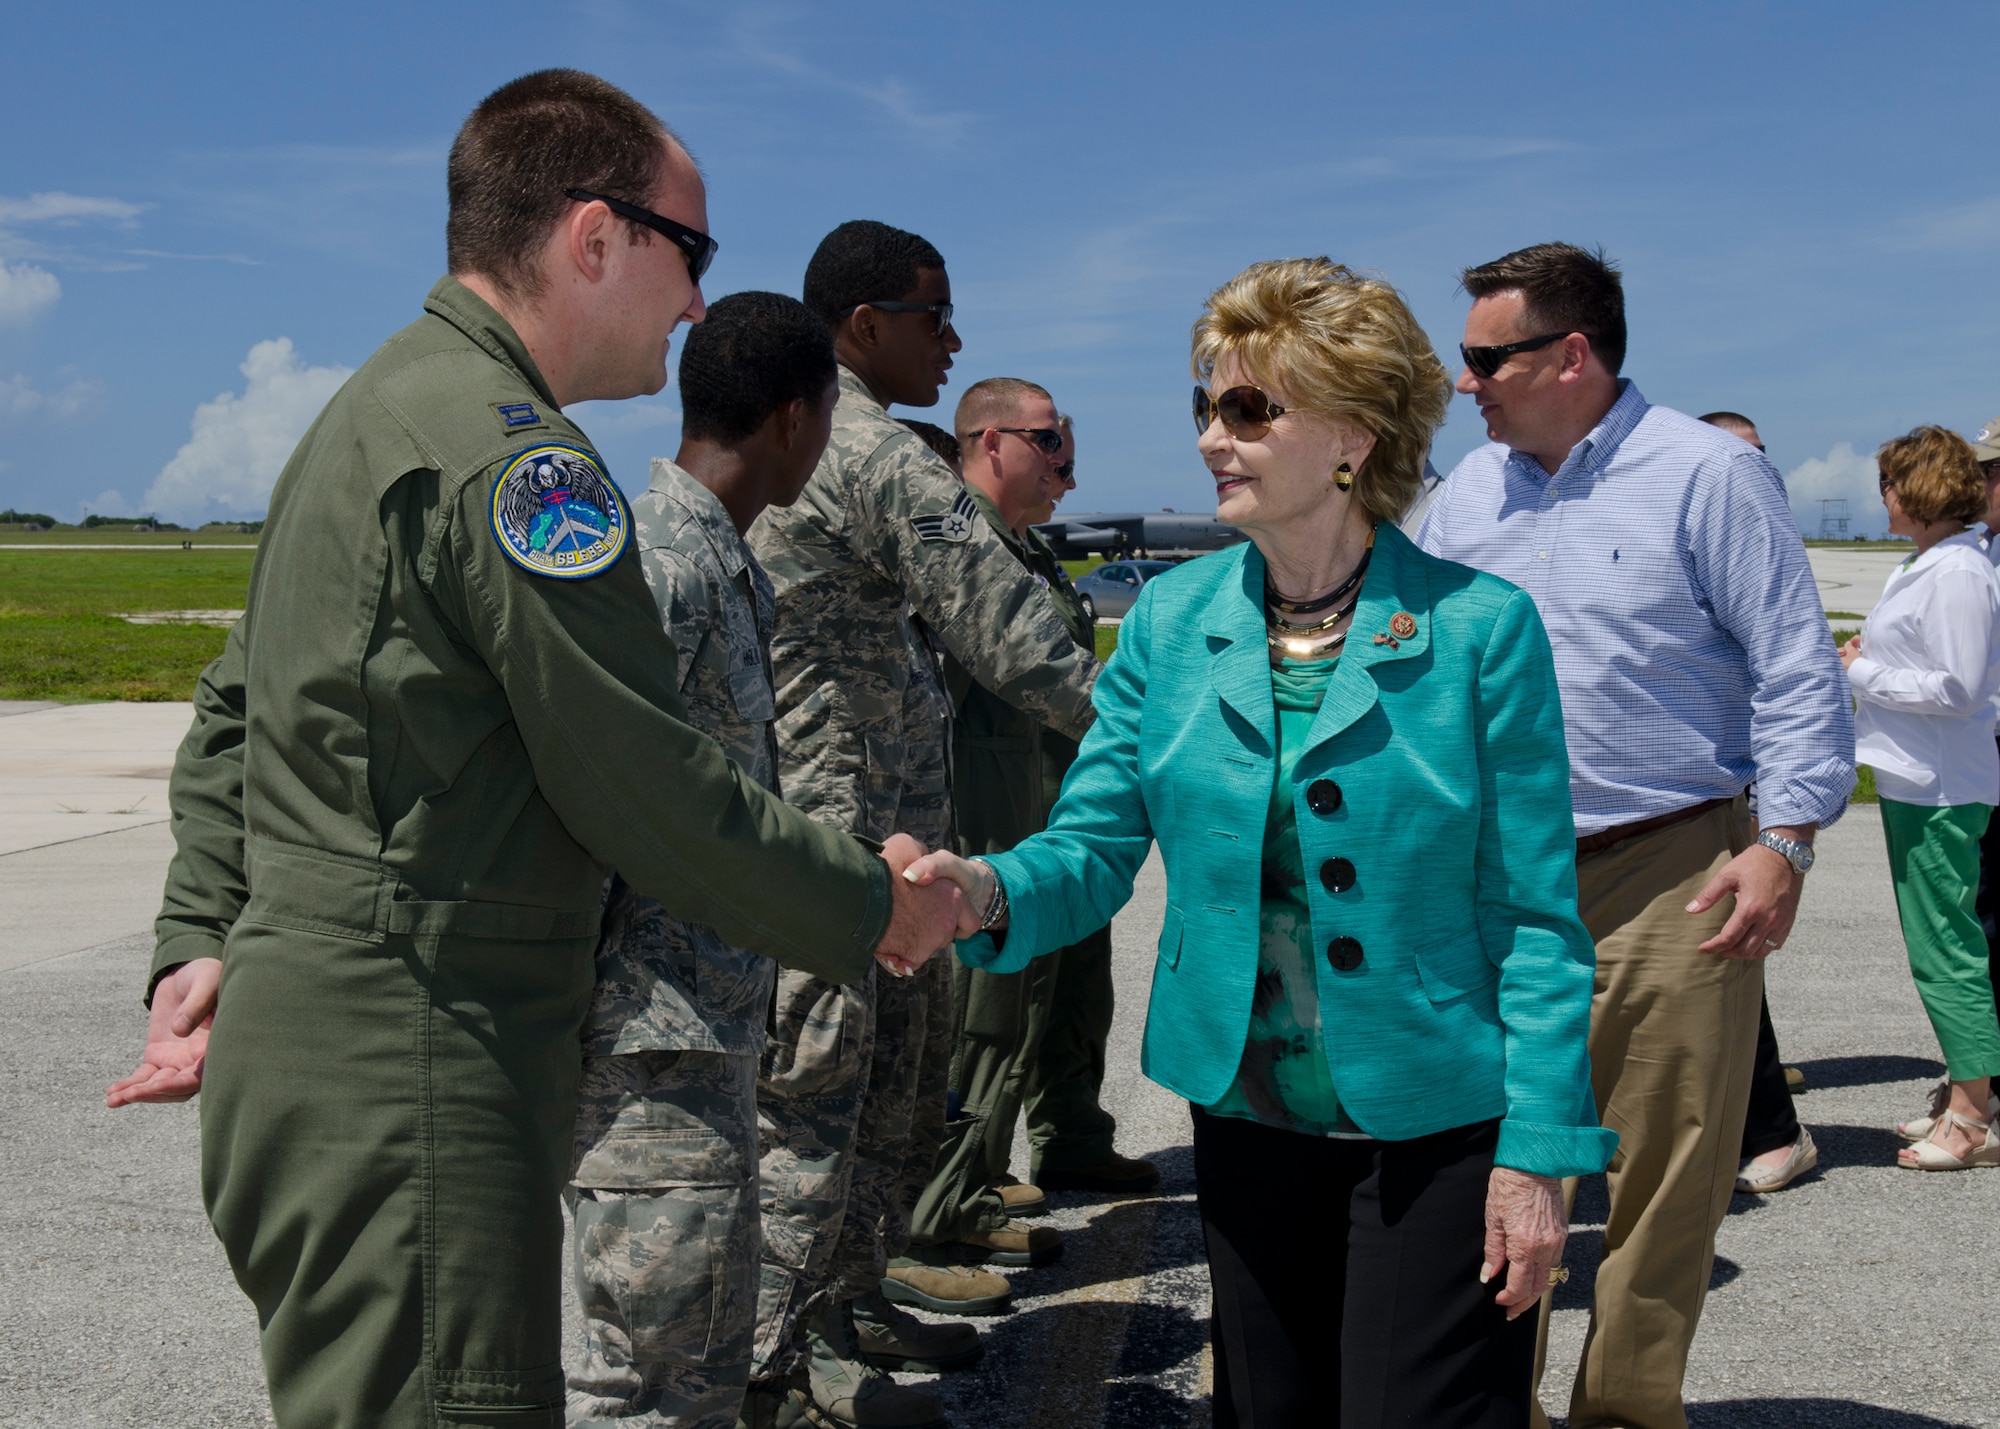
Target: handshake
939 897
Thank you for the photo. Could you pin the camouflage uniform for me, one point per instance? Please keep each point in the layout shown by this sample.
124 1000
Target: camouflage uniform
665 1185
883 529
1008 773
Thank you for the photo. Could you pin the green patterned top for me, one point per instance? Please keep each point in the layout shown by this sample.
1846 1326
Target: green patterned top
1283 1079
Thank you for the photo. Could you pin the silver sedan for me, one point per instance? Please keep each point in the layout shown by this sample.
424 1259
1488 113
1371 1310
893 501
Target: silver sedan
1111 588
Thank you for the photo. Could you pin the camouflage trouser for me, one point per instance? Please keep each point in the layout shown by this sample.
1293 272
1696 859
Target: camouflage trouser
902 1123
809 1094
665 1261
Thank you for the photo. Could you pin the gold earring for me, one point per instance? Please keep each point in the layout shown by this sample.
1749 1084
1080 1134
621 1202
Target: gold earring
1344 477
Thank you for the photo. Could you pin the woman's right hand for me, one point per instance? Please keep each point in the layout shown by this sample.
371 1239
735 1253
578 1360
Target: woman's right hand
975 880
1850 652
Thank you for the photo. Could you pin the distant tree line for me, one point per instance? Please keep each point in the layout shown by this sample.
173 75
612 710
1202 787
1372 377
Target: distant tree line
11 517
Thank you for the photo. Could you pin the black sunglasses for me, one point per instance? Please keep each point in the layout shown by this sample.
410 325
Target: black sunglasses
1046 439
697 247
942 310
1246 411
1485 361
1067 472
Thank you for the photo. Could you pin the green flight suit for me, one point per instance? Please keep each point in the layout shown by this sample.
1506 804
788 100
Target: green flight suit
1007 772
410 776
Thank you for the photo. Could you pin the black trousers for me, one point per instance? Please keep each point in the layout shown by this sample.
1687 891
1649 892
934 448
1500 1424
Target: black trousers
1346 1281
1772 1122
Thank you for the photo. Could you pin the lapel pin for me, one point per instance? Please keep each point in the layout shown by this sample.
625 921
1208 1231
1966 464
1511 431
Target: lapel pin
1402 625
1382 639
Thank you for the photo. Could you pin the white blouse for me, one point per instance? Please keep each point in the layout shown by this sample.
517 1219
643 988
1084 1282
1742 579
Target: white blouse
1927 676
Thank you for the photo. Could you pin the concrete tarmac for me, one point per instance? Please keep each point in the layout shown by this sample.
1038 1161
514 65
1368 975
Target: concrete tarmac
1846 1300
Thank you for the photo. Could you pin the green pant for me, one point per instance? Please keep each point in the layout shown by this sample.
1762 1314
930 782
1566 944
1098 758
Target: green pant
1068 1126
386 1125
1934 865
1004 1058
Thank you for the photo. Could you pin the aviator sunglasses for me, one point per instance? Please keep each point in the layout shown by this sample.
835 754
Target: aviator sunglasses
1246 411
697 247
941 310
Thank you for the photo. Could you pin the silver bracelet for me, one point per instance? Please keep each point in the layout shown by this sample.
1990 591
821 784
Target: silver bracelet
997 908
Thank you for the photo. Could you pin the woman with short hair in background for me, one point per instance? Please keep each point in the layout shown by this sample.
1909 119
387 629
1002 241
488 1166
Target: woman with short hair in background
1372 985
1924 669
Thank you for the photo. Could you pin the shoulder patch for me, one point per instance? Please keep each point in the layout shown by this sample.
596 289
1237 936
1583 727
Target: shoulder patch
953 525
517 416
556 513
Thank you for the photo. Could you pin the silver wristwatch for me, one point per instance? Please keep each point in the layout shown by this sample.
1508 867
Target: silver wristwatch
1794 851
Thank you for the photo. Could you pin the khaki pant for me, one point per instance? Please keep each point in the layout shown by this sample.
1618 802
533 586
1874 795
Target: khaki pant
1673 1034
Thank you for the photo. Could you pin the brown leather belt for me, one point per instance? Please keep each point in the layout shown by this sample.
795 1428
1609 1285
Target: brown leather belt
1604 838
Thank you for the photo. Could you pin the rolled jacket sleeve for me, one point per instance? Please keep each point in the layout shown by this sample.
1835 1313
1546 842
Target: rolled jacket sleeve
592 680
206 884
1525 903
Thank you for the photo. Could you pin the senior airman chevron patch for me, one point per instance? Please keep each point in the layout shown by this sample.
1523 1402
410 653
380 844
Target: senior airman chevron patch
952 525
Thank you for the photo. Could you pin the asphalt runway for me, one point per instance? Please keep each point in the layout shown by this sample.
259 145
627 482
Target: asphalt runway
1847 1300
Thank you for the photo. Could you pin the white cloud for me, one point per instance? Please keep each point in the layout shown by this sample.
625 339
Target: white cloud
623 418
240 441
1843 474
107 503
26 292
66 208
19 397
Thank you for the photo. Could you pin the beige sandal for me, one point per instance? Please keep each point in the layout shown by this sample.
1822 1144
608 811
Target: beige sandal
1919 1128
1931 1156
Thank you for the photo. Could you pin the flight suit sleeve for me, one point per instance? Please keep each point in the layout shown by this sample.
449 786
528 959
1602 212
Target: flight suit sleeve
591 677
206 884
917 525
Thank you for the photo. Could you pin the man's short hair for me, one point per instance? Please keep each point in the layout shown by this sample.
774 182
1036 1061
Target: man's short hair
1566 288
863 261
1730 422
936 438
529 140
1935 475
991 401
754 353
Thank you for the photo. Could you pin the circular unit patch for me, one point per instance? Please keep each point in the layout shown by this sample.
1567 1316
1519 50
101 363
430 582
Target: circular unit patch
557 514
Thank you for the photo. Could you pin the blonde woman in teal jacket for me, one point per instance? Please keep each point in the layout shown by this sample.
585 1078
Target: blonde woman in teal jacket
1372 986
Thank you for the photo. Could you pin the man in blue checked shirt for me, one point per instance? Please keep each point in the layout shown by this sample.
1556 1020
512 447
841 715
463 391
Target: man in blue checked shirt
1693 659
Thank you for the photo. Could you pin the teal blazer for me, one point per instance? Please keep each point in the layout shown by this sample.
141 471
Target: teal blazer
1457 983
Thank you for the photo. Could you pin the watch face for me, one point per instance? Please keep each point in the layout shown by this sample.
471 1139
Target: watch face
1803 859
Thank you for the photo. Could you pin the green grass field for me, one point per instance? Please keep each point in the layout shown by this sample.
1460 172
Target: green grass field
60 635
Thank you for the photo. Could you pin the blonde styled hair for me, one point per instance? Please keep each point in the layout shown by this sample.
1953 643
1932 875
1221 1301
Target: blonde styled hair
1342 346
1936 475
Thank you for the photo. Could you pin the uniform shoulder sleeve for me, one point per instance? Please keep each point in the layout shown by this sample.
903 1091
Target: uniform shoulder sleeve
684 594
918 525
590 675
206 884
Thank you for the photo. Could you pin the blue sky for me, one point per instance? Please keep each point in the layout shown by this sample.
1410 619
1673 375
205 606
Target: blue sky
208 213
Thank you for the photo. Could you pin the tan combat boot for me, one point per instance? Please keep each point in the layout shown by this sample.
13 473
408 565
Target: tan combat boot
946 1289
1021 1199
1015 1243
849 1393
894 1339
